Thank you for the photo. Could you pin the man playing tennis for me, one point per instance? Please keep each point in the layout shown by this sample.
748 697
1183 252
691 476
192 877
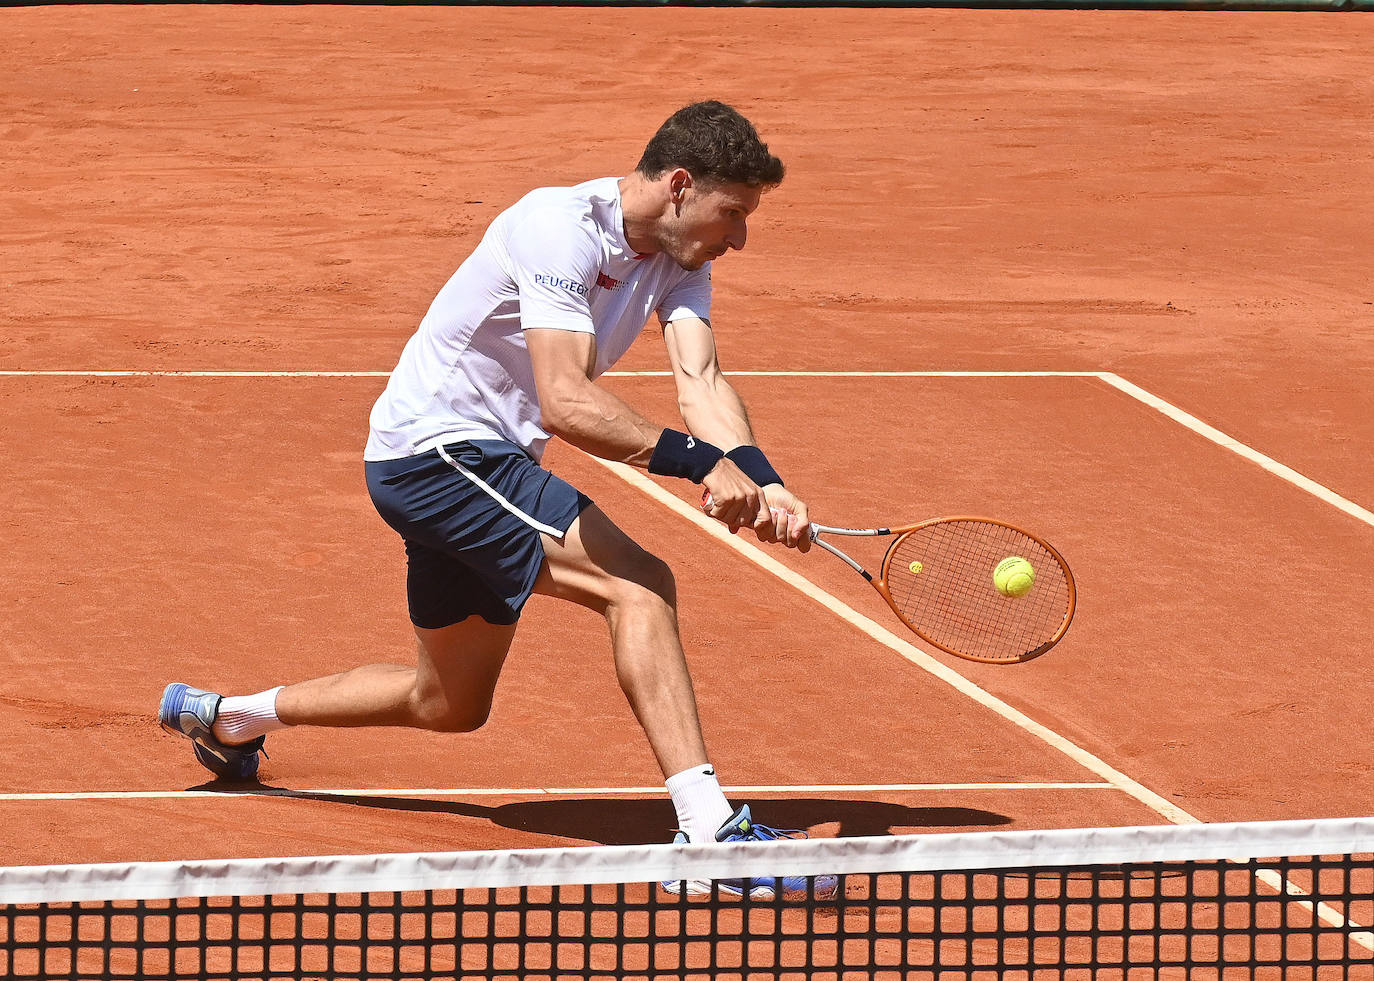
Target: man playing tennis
506 358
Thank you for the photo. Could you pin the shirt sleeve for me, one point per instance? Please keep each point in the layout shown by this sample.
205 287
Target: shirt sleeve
554 261
691 297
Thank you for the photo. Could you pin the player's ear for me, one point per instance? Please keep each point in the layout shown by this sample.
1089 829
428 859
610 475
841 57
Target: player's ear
679 181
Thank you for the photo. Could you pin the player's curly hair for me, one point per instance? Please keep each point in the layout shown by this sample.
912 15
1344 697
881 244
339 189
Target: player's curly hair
715 144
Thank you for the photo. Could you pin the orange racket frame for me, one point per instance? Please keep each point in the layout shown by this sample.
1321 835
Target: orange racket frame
904 532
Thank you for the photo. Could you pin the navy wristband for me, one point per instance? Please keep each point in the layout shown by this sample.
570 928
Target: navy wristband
755 465
680 455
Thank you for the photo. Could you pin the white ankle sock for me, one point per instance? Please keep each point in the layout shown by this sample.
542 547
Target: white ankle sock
700 803
243 718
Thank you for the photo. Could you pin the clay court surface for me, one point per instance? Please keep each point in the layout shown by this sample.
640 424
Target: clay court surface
1176 201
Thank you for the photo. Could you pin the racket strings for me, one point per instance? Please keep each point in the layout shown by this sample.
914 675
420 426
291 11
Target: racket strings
952 600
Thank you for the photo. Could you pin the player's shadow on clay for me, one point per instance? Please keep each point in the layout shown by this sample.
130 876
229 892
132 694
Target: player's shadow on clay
618 821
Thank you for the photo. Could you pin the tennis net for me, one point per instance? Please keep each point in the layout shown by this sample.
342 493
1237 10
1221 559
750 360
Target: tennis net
1283 900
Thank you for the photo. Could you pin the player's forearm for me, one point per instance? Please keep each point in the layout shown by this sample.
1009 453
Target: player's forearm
599 423
713 411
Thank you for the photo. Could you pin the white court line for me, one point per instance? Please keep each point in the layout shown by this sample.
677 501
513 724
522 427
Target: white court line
873 374
1173 412
134 373
537 792
172 373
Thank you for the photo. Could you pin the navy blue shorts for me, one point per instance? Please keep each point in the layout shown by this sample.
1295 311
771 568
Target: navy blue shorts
472 524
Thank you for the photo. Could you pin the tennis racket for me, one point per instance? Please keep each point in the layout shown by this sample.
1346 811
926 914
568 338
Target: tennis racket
938 578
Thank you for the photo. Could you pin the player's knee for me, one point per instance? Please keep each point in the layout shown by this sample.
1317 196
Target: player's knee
647 582
440 715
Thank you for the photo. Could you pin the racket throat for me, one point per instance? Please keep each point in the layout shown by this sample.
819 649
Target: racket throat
844 558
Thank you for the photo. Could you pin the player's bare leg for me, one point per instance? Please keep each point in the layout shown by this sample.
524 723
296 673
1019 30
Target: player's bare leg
448 690
600 567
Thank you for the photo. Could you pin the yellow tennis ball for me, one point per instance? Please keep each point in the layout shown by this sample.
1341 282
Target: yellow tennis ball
1014 576
916 568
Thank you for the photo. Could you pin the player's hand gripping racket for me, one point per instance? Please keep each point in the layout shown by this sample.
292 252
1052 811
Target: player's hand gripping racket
940 579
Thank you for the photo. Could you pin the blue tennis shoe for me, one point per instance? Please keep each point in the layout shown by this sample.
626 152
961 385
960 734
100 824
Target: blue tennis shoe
190 712
741 827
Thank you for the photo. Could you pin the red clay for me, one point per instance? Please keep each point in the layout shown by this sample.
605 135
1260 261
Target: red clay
1181 198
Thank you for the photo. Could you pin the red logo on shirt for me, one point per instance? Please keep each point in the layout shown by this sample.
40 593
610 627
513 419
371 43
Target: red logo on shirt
607 283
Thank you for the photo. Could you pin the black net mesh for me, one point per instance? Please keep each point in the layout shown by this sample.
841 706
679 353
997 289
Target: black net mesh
1289 918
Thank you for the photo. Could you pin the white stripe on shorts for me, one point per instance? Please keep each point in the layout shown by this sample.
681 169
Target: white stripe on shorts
536 525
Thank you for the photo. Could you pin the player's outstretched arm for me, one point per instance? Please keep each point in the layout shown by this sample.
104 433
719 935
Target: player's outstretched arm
709 404
713 410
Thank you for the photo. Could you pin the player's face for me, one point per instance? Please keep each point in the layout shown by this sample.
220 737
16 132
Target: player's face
709 221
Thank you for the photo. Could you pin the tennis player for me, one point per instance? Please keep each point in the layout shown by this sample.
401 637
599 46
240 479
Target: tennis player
506 358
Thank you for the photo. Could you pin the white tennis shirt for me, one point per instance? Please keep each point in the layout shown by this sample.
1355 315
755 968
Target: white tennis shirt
555 259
